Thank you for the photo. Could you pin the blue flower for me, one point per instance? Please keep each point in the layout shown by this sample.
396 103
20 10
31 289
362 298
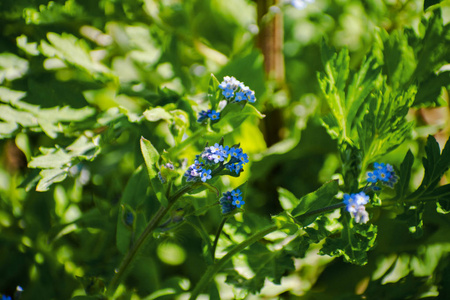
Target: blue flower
240 96
355 205
4 297
243 157
235 153
205 175
372 176
379 166
228 93
214 115
236 193
250 96
238 202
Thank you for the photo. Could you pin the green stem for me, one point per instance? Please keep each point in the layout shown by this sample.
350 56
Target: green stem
213 269
323 209
136 247
216 239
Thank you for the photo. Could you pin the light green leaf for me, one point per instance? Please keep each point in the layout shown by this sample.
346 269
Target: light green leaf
12 67
151 157
156 114
55 158
287 200
214 92
50 176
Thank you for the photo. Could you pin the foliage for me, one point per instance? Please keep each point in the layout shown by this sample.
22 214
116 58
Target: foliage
146 154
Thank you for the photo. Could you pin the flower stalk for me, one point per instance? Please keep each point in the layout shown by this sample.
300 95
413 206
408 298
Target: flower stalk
137 247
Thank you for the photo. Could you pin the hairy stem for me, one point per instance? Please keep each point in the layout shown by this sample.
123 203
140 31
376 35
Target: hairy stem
135 249
216 239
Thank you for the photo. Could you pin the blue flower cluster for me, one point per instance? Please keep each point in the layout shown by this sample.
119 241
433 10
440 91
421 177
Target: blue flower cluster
4 297
211 114
235 91
231 200
355 206
383 173
212 157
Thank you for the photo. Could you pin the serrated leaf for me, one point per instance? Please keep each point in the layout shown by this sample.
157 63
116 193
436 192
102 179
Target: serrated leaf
435 164
320 198
151 158
345 97
384 126
72 50
12 67
7 129
429 91
50 176
56 158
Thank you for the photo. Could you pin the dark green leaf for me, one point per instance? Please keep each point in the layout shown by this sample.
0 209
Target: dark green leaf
354 242
405 175
321 198
129 224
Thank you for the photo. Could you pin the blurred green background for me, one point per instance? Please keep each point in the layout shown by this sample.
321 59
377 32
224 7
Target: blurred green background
90 69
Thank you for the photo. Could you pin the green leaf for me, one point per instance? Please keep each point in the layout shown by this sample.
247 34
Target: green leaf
74 51
50 176
157 114
413 217
130 223
429 91
214 92
287 200
435 164
151 157
265 264
12 67
232 116
402 185
399 60
345 100
385 125
318 199
285 223
354 243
